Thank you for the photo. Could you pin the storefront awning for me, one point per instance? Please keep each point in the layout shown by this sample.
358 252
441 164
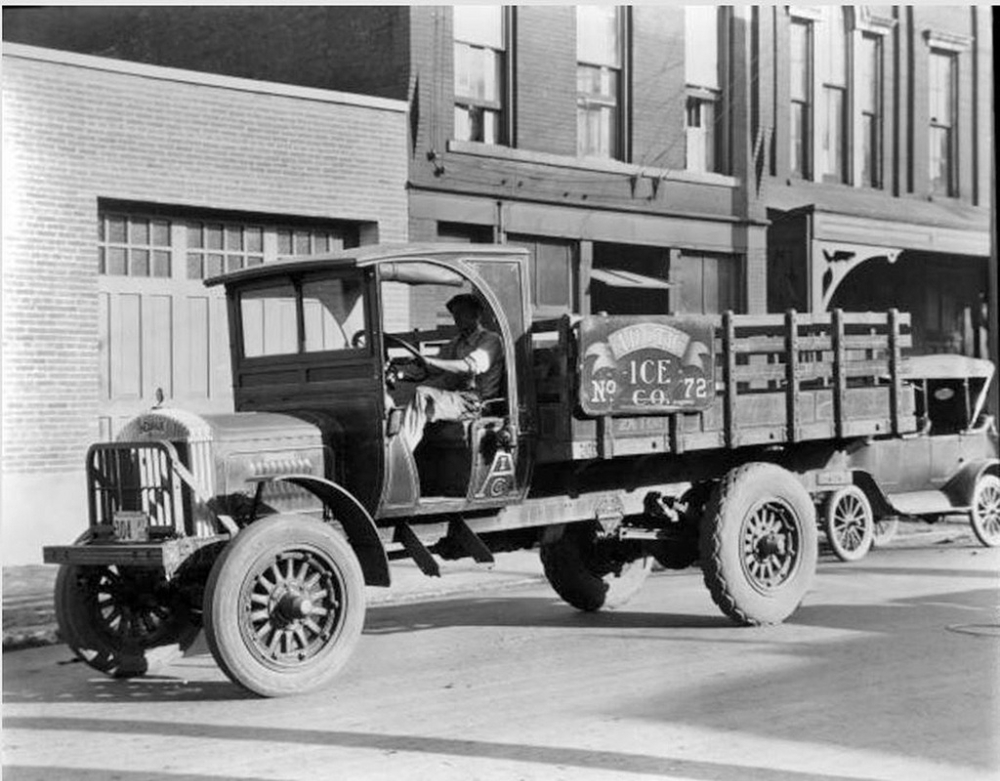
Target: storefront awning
629 279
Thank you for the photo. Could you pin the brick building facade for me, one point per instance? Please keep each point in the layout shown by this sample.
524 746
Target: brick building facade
125 185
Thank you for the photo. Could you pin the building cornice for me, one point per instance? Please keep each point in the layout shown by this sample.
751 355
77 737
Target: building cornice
179 75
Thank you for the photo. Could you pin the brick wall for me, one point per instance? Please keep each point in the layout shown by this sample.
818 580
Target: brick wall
546 79
658 96
78 129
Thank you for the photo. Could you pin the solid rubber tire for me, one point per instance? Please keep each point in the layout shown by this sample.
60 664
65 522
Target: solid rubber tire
738 494
989 537
262 540
564 562
829 510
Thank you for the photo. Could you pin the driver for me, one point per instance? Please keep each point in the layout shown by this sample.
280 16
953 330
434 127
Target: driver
467 371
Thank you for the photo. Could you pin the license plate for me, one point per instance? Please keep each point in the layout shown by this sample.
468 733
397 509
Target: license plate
131 526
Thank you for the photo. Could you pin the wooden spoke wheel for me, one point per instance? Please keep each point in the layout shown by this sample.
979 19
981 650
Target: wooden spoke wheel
849 523
985 514
122 621
284 606
758 544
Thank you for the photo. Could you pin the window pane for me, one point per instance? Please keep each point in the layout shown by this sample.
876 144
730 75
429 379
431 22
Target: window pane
798 134
194 269
161 233
479 24
869 74
194 236
254 239
833 136
333 313
101 267
940 158
799 61
302 243
213 236
234 262
234 237
116 229
269 322
140 263
161 263
213 265
834 67
116 262
869 154
701 45
139 232
284 242
597 35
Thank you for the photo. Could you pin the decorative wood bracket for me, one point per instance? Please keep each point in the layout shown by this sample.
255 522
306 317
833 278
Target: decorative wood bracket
836 260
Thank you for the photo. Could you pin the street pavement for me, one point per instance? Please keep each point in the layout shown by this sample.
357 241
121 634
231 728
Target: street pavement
888 671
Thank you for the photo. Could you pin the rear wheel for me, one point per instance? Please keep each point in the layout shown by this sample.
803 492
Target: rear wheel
284 606
885 530
985 515
758 544
590 573
848 523
122 621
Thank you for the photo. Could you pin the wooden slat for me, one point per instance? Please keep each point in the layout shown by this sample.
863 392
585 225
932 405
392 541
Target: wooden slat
729 373
792 374
776 344
894 378
839 375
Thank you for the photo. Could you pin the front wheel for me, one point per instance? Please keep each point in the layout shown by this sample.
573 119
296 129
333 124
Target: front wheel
849 523
985 515
284 606
122 621
590 573
758 543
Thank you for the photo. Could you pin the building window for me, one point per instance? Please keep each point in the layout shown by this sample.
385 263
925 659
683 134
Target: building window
704 96
942 135
214 248
599 82
800 135
480 67
133 246
833 76
552 268
708 283
870 107
312 241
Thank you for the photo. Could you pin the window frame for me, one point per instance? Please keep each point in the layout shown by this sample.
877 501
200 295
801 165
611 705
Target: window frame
874 113
804 103
503 106
587 102
710 99
950 127
297 281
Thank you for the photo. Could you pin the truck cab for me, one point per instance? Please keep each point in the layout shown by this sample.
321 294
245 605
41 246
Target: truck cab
324 340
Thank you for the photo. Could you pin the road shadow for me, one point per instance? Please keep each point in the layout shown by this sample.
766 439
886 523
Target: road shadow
623 762
868 687
526 612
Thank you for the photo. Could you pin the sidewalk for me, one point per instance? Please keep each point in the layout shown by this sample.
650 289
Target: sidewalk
29 616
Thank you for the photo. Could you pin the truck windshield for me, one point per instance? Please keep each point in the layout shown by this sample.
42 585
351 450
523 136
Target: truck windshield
329 310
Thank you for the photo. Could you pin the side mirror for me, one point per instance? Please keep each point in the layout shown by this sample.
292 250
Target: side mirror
395 422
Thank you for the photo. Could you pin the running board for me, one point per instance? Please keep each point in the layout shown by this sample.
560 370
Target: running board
417 551
469 541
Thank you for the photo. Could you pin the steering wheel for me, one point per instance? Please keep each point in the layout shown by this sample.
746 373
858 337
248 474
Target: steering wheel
393 371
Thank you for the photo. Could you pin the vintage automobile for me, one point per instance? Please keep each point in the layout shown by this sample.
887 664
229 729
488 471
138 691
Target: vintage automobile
615 440
947 467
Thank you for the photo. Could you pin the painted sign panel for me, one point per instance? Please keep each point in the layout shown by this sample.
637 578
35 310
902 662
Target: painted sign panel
646 365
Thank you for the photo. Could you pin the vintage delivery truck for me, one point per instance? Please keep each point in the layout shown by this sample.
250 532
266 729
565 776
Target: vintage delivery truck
615 441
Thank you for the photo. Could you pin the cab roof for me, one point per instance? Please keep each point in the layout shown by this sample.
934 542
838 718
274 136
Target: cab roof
363 257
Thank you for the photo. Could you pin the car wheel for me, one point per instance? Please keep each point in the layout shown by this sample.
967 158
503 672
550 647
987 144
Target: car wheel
848 523
985 515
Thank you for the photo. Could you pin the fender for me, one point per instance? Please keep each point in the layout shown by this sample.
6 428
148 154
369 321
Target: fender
962 486
881 506
361 531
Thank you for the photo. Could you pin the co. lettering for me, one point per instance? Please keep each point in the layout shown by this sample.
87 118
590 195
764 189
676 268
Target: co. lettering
652 398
